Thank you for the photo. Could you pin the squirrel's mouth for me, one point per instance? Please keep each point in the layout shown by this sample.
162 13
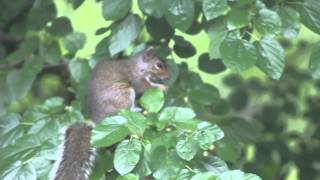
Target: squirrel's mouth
155 79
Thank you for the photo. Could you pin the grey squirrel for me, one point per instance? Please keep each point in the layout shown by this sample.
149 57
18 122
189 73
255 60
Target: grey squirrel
113 85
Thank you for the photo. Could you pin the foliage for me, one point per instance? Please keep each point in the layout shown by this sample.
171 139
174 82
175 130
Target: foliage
190 133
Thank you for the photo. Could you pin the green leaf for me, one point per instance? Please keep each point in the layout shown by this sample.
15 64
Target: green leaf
290 19
208 134
50 52
176 114
20 171
214 8
268 22
19 82
238 55
74 41
203 176
238 17
79 70
214 164
40 14
143 167
204 94
212 66
75 3
271 57
249 176
159 28
109 131
187 148
152 100
217 31
128 177
179 13
136 122
183 48
61 26
127 156
231 175
115 10
310 14
314 63
151 7
124 33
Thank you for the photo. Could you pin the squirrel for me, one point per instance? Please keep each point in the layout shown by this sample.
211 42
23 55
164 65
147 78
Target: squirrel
113 85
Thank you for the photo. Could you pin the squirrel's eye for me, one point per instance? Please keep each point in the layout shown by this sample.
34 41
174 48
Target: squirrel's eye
159 65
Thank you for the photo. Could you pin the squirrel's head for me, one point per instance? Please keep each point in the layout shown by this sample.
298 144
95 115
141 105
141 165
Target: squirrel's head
153 67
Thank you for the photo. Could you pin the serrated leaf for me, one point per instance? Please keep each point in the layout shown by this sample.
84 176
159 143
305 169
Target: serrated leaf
238 55
290 19
143 167
127 156
109 131
124 34
115 10
268 22
136 122
176 114
208 134
179 13
214 8
152 100
187 148
271 57
74 41
314 63
151 7
310 14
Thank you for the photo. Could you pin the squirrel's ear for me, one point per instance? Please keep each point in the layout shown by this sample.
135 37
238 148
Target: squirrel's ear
149 53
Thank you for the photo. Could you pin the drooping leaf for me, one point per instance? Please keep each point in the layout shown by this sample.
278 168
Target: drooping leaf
115 10
159 28
238 17
271 57
127 156
179 13
214 8
183 48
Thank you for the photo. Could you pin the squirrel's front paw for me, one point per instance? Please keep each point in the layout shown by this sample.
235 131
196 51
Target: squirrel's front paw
163 88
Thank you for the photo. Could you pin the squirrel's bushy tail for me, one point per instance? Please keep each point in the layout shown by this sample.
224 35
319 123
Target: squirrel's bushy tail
78 156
